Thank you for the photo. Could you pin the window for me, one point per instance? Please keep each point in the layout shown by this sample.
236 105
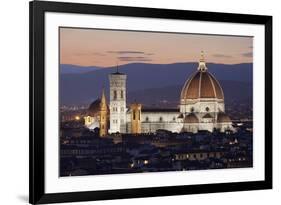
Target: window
174 118
134 115
192 109
160 119
122 94
146 119
207 109
122 109
114 94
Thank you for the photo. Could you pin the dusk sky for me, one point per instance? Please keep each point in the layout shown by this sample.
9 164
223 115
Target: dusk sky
105 48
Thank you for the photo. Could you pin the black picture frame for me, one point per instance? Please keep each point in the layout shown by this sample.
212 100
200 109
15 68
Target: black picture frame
37 11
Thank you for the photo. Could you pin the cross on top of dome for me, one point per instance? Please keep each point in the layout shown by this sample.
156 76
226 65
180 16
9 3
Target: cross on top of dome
202 65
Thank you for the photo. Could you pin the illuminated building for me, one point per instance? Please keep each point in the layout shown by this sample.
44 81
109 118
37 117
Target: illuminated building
201 108
103 123
117 104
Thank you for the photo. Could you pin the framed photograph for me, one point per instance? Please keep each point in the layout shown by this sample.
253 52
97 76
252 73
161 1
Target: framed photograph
140 102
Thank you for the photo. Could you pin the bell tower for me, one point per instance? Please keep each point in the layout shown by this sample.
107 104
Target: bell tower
103 116
136 118
117 103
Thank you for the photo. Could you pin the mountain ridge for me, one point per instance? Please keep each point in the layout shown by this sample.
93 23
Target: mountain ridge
86 86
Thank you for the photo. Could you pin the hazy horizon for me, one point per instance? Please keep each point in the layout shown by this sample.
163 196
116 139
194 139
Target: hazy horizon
108 48
154 64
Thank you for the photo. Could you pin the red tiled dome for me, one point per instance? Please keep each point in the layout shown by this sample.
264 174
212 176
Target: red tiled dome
222 117
202 84
191 118
94 108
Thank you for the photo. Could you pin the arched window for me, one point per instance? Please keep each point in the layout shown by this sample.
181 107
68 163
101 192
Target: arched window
160 119
147 119
192 109
114 94
134 115
122 94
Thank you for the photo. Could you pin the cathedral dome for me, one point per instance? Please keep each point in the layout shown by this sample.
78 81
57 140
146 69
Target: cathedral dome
202 84
222 117
94 108
191 118
207 116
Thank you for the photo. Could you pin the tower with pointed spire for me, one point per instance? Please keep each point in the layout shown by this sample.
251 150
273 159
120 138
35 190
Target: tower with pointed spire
103 116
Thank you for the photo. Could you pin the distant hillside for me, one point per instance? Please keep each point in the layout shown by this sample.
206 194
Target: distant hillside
74 69
155 80
170 96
